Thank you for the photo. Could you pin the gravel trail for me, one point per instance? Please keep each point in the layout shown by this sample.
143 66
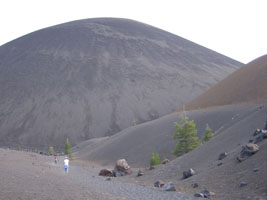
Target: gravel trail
88 176
30 176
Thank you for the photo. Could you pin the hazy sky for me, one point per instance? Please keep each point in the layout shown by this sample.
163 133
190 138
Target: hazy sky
235 28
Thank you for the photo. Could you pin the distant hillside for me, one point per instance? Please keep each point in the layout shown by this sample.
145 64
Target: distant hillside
248 84
96 77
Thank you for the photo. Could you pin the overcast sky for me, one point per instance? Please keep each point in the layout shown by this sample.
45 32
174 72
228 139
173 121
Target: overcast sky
235 28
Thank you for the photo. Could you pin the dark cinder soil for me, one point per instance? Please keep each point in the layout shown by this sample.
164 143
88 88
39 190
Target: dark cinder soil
26 175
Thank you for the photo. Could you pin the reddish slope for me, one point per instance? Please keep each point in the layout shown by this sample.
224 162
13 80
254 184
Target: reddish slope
248 84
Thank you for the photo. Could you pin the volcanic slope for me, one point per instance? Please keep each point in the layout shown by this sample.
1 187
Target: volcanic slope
95 77
137 143
233 125
248 84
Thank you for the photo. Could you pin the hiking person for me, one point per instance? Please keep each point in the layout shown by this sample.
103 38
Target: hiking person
55 159
66 164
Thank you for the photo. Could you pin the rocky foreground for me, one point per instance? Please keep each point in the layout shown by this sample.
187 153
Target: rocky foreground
26 175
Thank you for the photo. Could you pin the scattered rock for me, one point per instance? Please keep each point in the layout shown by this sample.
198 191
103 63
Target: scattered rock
105 172
247 151
151 168
165 161
122 167
261 136
159 184
255 169
108 179
194 185
140 173
199 195
188 173
118 174
222 156
257 131
169 187
219 164
207 193
243 184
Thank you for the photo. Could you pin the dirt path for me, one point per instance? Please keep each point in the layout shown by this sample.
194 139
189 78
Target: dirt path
26 175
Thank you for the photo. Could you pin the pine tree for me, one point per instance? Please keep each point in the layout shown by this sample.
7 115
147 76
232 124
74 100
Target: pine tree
185 132
155 159
68 149
208 134
51 150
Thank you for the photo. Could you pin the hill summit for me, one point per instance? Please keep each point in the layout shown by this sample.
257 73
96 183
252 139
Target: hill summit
94 77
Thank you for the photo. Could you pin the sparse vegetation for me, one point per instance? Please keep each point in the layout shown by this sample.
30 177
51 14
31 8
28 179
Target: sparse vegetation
185 132
208 134
19 148
155 159
68 149
51 150
134 123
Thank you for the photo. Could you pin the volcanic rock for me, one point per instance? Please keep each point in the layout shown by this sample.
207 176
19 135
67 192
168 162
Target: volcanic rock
222 156
169 187
159 184
122 168
247 151
165 161
188 173
105 172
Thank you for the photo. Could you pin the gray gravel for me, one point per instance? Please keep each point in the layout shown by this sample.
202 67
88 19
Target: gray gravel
121 189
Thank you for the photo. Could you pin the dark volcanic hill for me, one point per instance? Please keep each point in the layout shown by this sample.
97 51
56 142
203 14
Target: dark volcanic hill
95 77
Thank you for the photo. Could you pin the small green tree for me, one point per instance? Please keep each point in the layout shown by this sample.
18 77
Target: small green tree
51 150
134 123
155 159
19 148
208 134
68 149
185 132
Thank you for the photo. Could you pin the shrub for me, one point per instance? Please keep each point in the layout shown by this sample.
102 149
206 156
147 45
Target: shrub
19 148
51 150
155 159
185 132
208 134
68 149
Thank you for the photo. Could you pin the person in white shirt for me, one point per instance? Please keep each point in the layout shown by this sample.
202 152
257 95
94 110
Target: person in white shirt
66 164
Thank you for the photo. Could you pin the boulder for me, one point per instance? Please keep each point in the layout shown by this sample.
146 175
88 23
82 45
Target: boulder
199 195
257 131
122 167
169 187
159 184
151 168
261 136
207 193
247 151
194 185
165 161
140 173
105 172
243 184
188 173
222 156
